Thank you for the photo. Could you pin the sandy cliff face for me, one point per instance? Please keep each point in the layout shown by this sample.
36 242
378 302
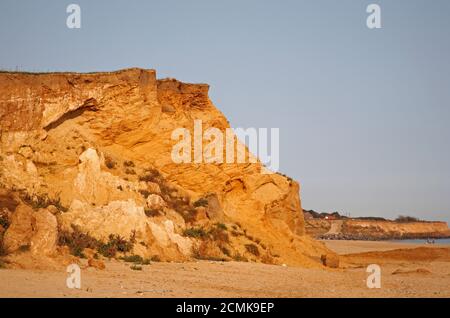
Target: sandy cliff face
97 147
395 230
375 230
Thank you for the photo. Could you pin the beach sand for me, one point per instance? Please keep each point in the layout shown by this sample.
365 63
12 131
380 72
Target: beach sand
419 271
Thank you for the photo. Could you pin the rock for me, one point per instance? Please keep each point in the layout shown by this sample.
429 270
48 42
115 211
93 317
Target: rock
20 230
52 209
214 210
45 234
154 201
330 260
96 263
167 108
200 214
8 200
153 188
89 253
37 229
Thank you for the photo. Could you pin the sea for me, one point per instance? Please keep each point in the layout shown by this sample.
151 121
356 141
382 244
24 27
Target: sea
445 241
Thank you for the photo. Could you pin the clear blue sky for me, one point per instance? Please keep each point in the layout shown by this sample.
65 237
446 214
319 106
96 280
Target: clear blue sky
364 115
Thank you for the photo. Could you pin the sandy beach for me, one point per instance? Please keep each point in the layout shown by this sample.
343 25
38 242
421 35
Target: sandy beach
414 276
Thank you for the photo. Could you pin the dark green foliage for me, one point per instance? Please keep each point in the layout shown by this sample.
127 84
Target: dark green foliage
77 241
42 202
133 259
201 202
115 244
195 232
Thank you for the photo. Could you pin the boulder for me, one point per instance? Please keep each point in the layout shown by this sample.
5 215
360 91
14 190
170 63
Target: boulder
20 230
330 260
154 201
45 234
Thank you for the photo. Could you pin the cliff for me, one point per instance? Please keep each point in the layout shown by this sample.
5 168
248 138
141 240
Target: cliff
355 229
91 154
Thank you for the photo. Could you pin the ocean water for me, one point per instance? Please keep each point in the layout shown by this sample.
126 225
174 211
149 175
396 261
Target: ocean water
436 241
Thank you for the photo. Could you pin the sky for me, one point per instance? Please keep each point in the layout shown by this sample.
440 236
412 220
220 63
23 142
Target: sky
363 113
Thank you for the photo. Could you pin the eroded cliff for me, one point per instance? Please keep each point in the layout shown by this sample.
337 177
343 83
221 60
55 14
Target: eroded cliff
91 154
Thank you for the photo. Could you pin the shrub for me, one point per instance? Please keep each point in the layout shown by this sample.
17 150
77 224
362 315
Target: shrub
77 241
239 258
128 163
152 212
195 232
115 244
130 171
42 202
219 235
151 175
252 249
221 226
144 193
406 219
110 163
136 267
155 258
201 202
24 248
133 259
4 221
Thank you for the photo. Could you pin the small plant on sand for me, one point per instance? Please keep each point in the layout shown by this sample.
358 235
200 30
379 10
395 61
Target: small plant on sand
133 259
155 258
115 244
252 249
136 267
239 258
77 241
130 171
